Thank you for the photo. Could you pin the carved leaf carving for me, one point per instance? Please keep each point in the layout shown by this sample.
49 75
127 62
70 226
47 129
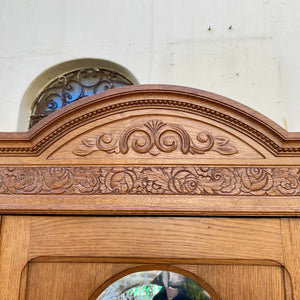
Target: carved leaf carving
154 180
87 147
155 137
223 146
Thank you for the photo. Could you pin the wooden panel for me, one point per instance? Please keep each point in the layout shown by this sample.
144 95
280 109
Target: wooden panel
59 280
99 241
15 232
291 249
220 238
233 282
68 281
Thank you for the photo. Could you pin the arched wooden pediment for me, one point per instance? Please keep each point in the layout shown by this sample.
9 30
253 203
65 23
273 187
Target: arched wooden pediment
151 101
152 150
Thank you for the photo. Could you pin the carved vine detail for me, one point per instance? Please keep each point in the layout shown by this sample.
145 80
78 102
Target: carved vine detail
155 137
226 181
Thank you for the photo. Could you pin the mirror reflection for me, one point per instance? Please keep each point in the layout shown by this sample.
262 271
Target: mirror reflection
154 285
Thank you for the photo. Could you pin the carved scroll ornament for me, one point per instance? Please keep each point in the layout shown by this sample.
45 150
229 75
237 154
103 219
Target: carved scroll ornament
226 181
155 137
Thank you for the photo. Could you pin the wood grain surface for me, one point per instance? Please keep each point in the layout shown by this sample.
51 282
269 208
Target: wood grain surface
220 238
33 248
241 282
15 234
291 249
203 205
244 282
68 281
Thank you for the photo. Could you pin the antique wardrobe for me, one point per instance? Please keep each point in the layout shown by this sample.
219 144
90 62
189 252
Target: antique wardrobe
148 178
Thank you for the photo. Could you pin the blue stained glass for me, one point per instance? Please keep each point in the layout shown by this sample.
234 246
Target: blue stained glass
73 86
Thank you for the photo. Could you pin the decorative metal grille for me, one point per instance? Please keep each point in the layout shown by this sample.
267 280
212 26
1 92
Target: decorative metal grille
73 86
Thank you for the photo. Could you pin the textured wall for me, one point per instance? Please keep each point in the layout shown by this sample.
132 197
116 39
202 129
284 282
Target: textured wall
255 60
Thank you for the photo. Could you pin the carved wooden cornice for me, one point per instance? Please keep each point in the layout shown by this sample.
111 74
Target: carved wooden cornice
197 102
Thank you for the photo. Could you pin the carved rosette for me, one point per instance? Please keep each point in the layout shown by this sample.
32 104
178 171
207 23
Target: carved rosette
225 181
155 137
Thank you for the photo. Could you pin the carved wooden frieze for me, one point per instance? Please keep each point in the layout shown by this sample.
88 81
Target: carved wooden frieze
155 137
225 181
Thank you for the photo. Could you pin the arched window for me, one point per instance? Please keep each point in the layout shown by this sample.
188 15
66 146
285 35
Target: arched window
75 80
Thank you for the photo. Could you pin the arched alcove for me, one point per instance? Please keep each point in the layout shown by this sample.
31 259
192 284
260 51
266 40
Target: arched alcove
61 77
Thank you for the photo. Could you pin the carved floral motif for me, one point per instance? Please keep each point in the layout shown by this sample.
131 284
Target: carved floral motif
227 181
155 137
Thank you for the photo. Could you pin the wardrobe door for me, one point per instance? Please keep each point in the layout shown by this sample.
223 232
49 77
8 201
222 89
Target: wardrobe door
45 257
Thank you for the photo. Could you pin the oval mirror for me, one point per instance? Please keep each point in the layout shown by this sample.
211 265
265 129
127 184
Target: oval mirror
154 285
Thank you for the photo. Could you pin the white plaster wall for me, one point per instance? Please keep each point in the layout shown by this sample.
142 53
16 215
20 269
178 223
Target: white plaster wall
257 62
